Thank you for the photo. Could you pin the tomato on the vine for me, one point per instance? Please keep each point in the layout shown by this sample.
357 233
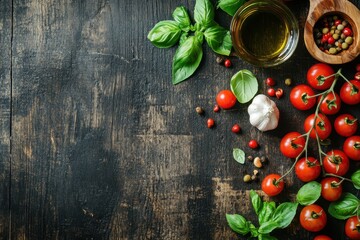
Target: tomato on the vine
352 228
322 237
292 144
330 104
301 97
225 99
322 126
331 189
352 147
336 162
271 186
318 76
313 218
307 169
350 93
346 125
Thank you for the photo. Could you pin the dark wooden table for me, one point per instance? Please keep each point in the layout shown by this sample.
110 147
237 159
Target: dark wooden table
96 142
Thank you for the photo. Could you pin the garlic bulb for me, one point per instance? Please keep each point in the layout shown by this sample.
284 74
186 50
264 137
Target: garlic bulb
264 114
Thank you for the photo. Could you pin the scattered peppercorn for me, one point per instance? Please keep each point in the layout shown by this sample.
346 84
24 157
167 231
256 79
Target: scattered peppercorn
210 123
288 81
247 178
219 60
270 82
254 178
271 92
253 144
263 159
255 172
279 93
257 162
250 158
236 128
216 108
227 63
199 110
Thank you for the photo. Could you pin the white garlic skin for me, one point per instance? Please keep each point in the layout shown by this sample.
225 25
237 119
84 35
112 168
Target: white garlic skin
263 112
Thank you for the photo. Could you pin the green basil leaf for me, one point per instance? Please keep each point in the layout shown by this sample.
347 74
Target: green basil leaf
239 155
244 85
266 212
284 214
266 237
230 6
256 202
309 193
238 223
186 60
345 207
181 16
204 13
268 227
253 230
355 178
218 39
165 34
183 37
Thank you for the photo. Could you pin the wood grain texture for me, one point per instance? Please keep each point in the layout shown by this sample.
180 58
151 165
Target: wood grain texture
105 147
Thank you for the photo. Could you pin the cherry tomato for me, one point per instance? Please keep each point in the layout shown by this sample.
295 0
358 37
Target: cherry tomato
271 92
336 162
352 228
300 97
330 189
322 126
322 237
352 147
270 82
225 99
271 186
253 144
307 169
331 104
346 125
313 218
350 94
318 76
292 144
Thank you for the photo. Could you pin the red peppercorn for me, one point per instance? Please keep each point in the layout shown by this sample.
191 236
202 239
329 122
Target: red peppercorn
357 76
271 92
279 93
331 40
216 108
347 32
227 63
270 82
357 67
337 22
253 144
236 128
210 123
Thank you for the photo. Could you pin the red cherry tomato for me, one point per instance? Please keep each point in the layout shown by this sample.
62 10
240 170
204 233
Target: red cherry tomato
352 228
322 126
253 144
318 76
307 169
292 144
225 99
322 237
271 186
352 147
331 104
300 97
346 125
350 94
336 162
270 82
313 218
330 188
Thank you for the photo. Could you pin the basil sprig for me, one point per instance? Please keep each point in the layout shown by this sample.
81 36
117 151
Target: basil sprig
190 37
347 206
270 218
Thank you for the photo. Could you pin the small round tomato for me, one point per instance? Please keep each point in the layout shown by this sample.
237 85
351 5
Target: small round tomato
330 104
352 228
352 147
271 186
313 218
225 99
336 162
301 97
318 76
322 237
307 169
292 144
350 93
322 126
346 125
331 189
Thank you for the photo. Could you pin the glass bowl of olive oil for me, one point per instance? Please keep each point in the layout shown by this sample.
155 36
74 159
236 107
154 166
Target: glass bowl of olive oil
264 32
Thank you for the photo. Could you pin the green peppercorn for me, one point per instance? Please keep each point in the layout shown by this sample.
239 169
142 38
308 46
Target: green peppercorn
325 30
335 36
288 81
344 23
349 40
340 27
344 45
335 17
332 50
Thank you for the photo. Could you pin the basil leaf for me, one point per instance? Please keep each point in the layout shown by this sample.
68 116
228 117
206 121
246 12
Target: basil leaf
186 60
266 212
204 13
266 237
218 39
355 178
253 230
345 207
244 85
256 202
284 214
239 155
238 223
268 227
230 6
181 16
183 37
309 193
165 34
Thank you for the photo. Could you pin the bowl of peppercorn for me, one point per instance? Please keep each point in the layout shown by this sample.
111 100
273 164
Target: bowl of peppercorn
331 31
